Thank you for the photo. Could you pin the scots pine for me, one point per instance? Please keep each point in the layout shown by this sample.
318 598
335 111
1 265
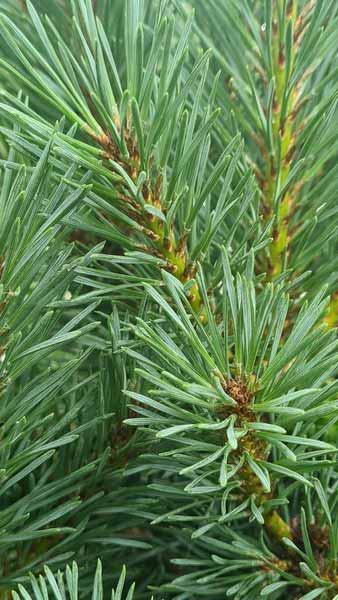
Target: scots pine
168 299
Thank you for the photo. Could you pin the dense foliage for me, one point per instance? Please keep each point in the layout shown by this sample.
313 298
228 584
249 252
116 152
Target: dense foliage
168 299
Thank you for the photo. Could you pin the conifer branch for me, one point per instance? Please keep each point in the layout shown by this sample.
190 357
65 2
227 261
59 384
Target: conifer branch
278 99
149 212
169 395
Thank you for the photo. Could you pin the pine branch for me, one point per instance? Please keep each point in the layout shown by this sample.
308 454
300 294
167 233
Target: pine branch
232 385
282 92
234 406
154 148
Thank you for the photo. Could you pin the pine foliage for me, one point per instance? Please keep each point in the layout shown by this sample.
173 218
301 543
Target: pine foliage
168 299
64 586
